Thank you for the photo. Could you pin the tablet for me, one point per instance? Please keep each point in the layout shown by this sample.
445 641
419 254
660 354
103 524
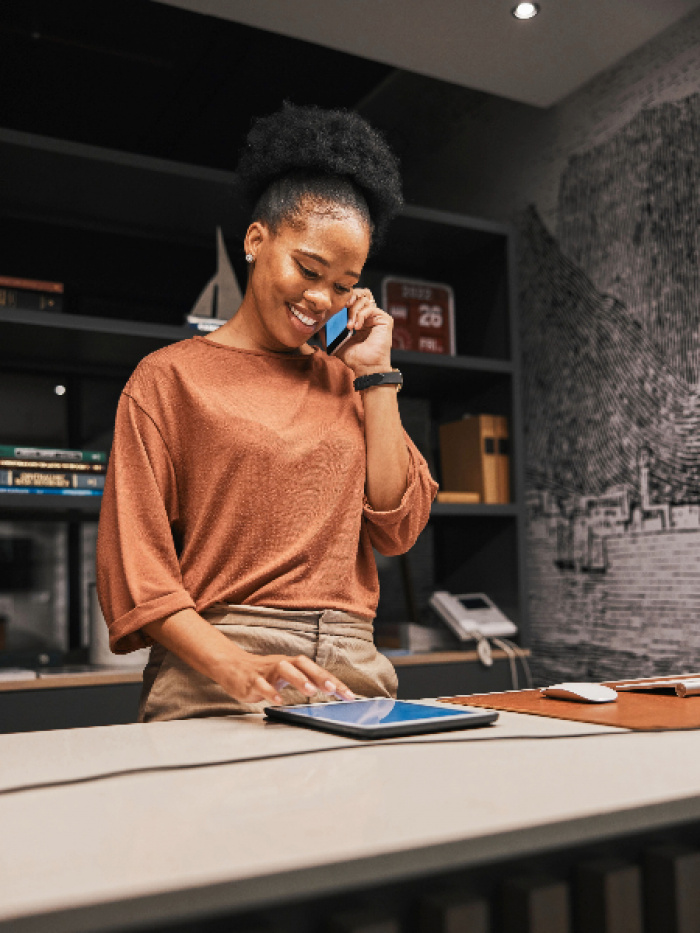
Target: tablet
376 719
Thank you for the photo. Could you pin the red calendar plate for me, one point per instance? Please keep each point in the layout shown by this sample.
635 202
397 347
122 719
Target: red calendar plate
423 314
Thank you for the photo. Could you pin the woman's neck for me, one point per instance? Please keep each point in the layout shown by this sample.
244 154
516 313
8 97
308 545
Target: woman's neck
238 332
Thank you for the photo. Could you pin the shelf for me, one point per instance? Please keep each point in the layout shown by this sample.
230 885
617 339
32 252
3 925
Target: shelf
442 362
146 196
448 376
99 677
447 657
32 505
444 509
42 340
117 221
48 340
76 185
90 505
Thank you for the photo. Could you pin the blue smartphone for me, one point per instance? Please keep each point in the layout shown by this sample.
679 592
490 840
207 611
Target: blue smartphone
335 331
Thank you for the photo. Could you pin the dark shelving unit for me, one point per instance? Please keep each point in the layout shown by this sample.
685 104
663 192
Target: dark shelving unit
63 192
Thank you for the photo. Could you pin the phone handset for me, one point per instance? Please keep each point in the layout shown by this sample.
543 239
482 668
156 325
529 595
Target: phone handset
470 613
335 331
474 617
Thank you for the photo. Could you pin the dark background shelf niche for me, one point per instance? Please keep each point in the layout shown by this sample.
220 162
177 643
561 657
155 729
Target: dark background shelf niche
121 201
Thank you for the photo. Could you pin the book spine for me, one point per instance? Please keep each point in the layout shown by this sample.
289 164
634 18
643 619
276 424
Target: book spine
48 453
12 464
502 458
470 459
43 491
203 325
32 285
460 498
30 300
50 478
490 490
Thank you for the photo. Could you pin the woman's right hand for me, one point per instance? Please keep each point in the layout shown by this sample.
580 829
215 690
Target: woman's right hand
249 678
255 677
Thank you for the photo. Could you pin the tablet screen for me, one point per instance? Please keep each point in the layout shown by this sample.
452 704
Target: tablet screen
377 712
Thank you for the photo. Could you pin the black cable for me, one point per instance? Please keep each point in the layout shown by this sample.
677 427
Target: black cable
381 743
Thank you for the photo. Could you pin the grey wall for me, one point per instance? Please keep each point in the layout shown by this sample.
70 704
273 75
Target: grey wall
604 191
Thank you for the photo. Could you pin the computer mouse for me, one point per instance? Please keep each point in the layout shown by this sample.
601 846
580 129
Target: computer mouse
584 693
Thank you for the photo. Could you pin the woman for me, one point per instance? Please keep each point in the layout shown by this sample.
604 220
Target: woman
251 474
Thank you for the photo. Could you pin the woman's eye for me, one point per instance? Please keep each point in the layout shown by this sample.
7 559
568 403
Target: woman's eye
307 273
343 289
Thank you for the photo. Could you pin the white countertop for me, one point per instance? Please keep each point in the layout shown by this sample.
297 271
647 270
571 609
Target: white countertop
142 847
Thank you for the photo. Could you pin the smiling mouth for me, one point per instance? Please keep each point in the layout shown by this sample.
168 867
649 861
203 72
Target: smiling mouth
305 319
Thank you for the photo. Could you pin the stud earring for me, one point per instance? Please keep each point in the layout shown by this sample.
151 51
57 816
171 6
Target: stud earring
249 257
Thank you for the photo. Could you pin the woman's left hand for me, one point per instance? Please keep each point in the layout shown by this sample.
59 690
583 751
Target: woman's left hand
369 348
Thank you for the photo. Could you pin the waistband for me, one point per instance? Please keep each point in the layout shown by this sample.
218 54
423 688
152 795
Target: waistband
329 622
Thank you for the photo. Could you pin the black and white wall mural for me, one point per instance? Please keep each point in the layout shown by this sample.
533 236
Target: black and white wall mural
610 310
604 189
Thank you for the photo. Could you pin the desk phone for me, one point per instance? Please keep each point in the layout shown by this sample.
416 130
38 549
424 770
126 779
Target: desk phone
466 613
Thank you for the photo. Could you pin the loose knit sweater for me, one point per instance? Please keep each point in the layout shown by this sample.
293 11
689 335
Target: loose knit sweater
238 477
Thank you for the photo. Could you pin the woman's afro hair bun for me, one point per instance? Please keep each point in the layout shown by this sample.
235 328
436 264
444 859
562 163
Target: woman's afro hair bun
323 153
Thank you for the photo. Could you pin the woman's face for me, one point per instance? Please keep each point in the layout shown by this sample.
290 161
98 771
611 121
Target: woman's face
304 273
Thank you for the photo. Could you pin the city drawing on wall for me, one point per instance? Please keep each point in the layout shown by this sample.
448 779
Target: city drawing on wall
611 361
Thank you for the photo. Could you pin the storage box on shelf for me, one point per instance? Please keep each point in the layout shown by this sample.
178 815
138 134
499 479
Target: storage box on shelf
153 207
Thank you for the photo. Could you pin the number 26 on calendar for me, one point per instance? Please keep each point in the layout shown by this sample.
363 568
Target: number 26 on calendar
429 315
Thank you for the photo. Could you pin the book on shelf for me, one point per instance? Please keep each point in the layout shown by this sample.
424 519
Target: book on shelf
46 491
51 479
459 498
469 458
500 423
13 463
203 325
30 294
12 452
32 285
8 674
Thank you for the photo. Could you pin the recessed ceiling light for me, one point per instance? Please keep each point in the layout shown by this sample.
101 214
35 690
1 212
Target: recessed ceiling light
60 390
525 10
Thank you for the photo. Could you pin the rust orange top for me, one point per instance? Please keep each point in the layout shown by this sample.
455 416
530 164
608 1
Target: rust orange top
238 477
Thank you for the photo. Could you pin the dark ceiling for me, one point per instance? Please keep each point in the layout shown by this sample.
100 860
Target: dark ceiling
153 79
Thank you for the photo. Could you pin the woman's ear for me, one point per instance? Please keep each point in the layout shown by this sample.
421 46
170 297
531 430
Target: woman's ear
255 237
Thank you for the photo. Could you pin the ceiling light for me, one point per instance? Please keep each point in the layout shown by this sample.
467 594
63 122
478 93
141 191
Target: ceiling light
60 390
525 10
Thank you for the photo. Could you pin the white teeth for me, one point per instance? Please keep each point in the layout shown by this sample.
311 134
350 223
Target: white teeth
309 321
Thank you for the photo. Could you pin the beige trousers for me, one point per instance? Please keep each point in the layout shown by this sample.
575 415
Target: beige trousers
337 641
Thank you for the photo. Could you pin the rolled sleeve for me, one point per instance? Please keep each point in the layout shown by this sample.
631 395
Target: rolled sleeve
396 531
138 573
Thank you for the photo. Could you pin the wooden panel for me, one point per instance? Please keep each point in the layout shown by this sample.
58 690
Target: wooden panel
454 913
672 889
608 897
536 905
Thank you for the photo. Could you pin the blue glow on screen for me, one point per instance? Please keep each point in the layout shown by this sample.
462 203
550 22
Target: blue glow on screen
376 712
336 325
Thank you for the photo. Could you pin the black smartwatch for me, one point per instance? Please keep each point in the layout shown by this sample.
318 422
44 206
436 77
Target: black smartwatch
394 378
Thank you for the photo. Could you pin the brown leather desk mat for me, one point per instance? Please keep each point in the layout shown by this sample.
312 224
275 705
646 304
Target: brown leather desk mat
642 711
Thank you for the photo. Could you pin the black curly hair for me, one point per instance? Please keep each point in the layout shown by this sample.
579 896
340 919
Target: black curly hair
333 157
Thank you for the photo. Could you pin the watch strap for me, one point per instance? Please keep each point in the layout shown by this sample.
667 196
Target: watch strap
393 378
